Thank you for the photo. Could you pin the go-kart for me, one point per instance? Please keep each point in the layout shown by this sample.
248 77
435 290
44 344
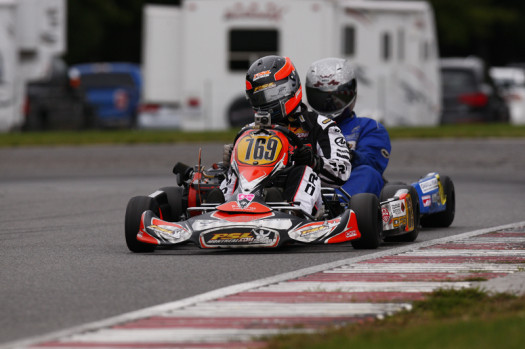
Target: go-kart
257 216
195 211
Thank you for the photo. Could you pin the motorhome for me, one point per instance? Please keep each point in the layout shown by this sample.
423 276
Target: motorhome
195 56
32 34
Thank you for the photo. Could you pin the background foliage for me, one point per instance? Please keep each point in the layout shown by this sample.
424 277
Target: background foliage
110 30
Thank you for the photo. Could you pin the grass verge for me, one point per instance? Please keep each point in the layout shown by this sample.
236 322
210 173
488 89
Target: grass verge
466 319
170 136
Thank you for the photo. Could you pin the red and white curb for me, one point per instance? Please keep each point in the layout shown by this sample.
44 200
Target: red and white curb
307 300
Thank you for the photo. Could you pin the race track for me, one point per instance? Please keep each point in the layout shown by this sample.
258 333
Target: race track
64 261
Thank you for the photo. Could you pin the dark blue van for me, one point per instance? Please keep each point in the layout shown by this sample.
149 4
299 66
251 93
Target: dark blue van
112 89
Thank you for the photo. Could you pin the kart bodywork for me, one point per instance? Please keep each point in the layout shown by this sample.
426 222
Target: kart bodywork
256 216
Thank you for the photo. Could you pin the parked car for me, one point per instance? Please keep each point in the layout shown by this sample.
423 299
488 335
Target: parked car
51 103
469 93
112 89
511 80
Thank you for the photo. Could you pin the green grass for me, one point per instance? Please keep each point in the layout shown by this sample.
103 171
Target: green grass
466 319
153 136
110 137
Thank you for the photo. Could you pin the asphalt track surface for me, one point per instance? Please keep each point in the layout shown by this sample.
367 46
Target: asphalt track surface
64 261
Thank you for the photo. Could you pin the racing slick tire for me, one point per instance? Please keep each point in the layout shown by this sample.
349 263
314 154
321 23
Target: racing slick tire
388 192
136 206
368 215
175 196
444 218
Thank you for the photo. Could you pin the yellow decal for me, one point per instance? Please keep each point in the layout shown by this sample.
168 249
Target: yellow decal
231 236
441 191
264 87
258 149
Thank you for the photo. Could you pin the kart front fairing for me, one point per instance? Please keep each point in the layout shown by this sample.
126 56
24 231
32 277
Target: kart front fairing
237 225
432 198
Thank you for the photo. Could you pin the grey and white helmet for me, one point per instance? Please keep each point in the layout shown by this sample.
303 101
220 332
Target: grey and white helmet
331 86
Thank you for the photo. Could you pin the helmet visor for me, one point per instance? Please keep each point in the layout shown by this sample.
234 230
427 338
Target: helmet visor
329 102
271 92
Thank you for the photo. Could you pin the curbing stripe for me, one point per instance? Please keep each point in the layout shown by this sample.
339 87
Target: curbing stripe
99 327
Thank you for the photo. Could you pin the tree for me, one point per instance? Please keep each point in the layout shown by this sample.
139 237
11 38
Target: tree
106 30
490 29
111 30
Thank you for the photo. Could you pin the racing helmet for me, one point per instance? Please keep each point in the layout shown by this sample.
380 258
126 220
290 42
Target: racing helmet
331 86
273 86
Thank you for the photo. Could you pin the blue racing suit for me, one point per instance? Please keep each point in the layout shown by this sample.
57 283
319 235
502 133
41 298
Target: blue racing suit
369 142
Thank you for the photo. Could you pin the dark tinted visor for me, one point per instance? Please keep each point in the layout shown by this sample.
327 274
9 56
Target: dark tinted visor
329 102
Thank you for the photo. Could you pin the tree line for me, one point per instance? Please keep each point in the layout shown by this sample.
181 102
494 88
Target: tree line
111 30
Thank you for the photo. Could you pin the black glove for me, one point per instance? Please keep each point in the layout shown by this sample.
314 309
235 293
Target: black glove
305 156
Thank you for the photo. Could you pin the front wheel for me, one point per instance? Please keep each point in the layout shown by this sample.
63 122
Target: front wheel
368 214
136 206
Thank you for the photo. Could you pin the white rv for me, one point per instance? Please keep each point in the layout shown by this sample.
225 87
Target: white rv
195 56
32 33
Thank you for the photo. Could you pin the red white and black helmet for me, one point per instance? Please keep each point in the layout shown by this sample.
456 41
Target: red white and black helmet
273 86
331 86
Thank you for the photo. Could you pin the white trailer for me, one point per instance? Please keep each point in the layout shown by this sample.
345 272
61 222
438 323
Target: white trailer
195 56
32 33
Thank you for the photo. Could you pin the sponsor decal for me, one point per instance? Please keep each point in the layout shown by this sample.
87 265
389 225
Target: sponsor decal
428 186
244 200
427 200
169 232
255 237
340 141
263 237
313 231
385 214
400 222
232 237
398 208
261 75
351 233
299 131
264 87
326 121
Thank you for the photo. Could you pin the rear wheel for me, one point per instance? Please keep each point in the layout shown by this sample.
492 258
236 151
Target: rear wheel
368 214
388 192
445 218
136 206
175 203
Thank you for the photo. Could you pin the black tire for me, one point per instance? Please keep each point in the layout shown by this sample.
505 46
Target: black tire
387 193
368 214
176 205
136 206
445 218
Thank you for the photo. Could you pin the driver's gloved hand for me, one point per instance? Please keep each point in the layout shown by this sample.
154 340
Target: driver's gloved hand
227 154
306 156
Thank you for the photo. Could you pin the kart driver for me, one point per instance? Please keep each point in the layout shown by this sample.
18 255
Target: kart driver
331 90
273 86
